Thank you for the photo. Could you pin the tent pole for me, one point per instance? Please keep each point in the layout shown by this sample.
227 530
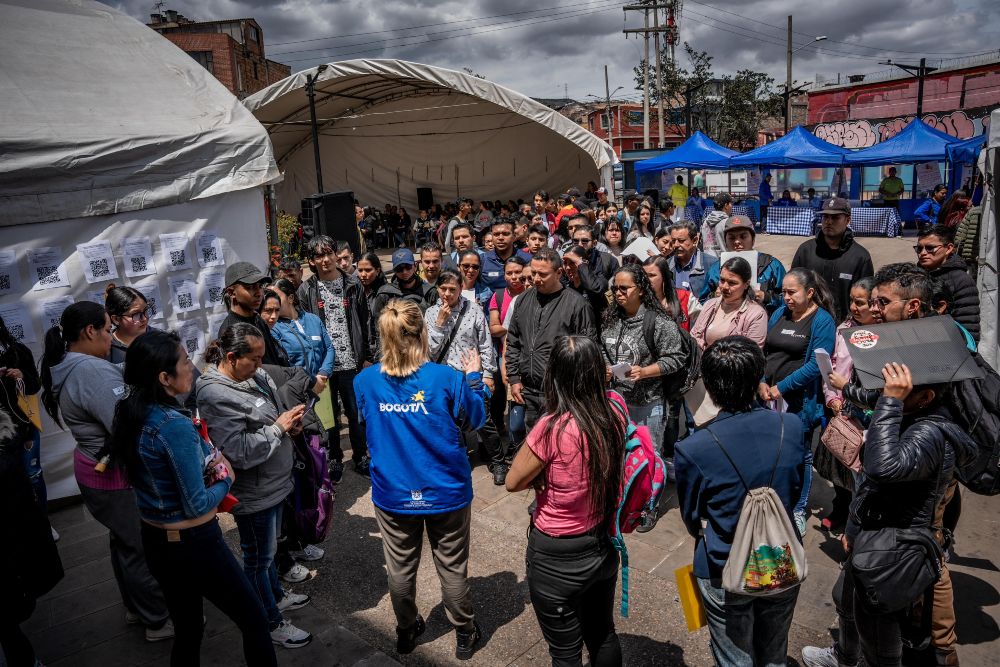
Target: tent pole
311 94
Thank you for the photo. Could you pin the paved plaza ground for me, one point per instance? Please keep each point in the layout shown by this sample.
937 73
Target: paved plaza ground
81 622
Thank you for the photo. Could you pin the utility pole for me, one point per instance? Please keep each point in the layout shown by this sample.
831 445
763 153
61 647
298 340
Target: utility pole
788 78
607 109
671 33
645 82
659 75
920 71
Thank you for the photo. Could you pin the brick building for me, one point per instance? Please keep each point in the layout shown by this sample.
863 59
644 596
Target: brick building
232 50
869 108
625 131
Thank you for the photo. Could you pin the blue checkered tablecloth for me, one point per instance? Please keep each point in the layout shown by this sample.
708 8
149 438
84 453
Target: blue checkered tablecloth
791 220
876 222
693 213
748 211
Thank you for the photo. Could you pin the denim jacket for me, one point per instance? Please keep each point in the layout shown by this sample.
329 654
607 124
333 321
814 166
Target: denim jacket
169 481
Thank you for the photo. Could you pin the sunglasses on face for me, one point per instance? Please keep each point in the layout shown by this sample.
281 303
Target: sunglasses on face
929 249
469 267
623 289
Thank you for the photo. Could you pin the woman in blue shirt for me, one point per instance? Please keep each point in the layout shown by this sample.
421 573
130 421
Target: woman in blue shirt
179 481
927 213
302 334
414 412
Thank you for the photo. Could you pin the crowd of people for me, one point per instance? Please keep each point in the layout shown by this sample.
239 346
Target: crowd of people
506 338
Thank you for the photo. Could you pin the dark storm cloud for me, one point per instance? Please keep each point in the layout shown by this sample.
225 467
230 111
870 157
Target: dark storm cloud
567 44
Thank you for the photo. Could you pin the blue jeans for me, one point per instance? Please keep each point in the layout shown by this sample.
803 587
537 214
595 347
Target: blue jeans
33 466
259 542
748 631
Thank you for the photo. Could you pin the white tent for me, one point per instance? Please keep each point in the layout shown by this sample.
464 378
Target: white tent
388 127
989 246
124 161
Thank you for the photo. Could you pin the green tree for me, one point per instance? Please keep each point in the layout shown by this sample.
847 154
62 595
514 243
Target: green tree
748 99
675 82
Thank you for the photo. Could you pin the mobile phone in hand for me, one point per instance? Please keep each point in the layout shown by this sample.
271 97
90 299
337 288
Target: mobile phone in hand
311 402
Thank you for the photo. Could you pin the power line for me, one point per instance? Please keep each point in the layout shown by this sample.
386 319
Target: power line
805 34
424 39
435 25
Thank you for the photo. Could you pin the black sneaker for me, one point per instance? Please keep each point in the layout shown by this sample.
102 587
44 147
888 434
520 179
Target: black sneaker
406 640
465 642
499 474
336 471
361 467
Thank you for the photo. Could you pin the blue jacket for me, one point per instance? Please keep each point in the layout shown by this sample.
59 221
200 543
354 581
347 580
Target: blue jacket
414 425
709 488
169 482
703 262
770 280
307 343
764 193
807 379
927 213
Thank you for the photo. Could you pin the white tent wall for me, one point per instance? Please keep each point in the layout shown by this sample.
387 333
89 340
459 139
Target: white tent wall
237 220
989 247
388 127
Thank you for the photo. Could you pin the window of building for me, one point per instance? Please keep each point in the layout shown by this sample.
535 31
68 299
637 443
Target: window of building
233 30
634 118
203 58
254 34
638 146
604 120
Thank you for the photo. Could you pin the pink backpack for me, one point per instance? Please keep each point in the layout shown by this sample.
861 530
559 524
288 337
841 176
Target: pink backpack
643 479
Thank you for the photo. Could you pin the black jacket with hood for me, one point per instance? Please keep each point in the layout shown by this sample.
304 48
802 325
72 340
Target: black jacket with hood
841 268
963 297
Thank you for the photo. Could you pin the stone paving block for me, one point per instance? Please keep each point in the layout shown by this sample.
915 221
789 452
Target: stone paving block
510 509
84 551
83 575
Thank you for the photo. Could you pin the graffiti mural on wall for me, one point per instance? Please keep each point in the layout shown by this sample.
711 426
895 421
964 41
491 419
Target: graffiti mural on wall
864 133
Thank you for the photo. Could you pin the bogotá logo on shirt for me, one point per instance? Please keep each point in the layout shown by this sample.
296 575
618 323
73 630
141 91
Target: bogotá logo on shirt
416 405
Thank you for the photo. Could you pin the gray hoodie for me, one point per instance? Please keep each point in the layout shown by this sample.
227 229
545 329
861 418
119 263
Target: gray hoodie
240 417
711 232
88 388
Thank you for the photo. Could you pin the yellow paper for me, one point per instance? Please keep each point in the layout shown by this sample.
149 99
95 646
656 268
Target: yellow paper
691 602
324 408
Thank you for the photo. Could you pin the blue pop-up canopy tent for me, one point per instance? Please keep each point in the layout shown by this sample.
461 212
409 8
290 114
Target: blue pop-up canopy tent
797 149
698 152
965 151
918 142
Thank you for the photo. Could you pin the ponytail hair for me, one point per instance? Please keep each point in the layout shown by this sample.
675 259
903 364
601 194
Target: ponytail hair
235 339
150 354
72 323
403 336
810 280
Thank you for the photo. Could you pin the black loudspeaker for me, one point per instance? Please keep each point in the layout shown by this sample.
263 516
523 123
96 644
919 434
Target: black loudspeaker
425 199
332 214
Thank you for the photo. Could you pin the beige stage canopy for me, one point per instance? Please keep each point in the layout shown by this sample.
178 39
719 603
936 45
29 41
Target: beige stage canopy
388 127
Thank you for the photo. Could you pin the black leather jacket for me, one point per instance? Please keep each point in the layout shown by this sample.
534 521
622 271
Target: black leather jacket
908 463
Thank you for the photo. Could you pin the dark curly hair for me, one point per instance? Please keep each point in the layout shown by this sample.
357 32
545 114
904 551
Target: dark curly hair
615 314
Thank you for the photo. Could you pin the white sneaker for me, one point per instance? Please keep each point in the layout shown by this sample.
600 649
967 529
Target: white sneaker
297 574
293 601
55 535
166 631
287 635
309 553
814 656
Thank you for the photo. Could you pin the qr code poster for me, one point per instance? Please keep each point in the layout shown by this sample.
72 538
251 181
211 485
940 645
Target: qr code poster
151 290
97 261
175 250
192 337
137 256
52 310
10 277
47 268
183 294
213 287
209 249
15 315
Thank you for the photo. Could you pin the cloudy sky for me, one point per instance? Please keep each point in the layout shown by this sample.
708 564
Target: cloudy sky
545 47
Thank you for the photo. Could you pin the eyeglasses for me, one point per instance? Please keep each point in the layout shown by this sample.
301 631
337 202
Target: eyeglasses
622 288
136 318
469 267
881 302
929 249
585 241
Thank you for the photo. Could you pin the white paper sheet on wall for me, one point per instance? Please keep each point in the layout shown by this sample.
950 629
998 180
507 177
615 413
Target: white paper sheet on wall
209 248
150 289
97 261
213 285
137 255
47 268
10 276
183 293
175 251
18 321
52 310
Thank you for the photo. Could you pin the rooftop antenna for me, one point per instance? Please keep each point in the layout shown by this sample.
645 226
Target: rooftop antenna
158 6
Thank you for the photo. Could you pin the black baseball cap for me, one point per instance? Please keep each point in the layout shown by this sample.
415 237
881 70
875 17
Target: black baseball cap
246 273
836 206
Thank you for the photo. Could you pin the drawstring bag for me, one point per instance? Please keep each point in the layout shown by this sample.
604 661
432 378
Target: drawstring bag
766 556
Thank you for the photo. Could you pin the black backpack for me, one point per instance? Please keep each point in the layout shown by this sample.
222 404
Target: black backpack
679 382
975 405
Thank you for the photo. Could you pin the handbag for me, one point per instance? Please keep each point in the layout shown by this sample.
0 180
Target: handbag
894 567
844 437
